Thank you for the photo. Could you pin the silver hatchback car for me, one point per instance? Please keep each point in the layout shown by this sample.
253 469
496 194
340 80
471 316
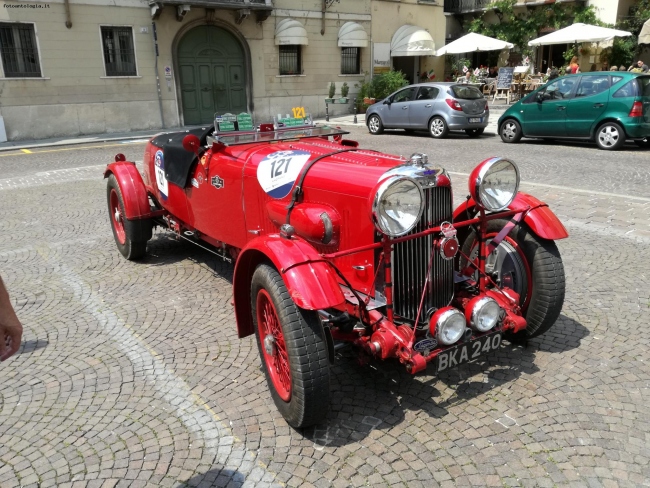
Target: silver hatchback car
438 107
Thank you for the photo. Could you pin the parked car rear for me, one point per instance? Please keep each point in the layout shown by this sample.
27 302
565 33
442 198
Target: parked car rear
606 107
436 107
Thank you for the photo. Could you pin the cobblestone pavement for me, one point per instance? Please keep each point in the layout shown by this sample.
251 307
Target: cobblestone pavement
131 374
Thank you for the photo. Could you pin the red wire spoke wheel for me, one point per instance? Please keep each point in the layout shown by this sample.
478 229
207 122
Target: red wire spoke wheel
528 264
117 217
130 236
293 350
275 350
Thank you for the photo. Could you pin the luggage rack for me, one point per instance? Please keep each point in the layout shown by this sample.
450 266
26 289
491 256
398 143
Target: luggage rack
268 133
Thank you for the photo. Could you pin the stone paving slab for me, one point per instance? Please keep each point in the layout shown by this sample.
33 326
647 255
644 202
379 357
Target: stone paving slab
131 374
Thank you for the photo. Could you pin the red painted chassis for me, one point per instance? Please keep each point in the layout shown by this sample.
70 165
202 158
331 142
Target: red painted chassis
312 273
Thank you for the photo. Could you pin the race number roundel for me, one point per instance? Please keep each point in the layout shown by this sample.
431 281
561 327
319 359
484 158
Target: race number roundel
278 171
161 179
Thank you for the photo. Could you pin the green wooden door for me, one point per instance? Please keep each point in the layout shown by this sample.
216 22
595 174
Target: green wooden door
212 74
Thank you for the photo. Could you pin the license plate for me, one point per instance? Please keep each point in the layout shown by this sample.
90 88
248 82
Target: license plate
475 120
469 351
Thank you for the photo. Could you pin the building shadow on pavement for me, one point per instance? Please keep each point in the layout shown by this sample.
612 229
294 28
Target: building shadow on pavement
218 477
380 395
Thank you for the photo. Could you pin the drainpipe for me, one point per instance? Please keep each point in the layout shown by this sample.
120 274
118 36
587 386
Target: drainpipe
155 55
68 19
322 25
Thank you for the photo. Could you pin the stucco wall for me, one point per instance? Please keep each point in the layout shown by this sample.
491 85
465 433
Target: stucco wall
388 16
74 96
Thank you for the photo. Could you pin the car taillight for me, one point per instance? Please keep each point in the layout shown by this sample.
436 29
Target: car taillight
486 107
453 104
637 110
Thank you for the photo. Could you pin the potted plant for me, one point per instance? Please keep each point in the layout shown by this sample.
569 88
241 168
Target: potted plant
332 90
344 93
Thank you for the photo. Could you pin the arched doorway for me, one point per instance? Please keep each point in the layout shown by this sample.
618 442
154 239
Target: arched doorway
212 67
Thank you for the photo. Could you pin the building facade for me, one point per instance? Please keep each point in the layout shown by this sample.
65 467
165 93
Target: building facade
74 67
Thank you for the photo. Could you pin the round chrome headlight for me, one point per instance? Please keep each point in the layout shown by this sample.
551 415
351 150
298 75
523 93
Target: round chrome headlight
397 205
449 323
483 313
494 183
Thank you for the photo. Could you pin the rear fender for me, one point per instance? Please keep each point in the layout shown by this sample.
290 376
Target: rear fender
311 281
134 192
540 219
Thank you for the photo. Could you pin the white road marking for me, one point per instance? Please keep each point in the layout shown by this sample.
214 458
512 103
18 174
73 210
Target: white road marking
189 408
571 189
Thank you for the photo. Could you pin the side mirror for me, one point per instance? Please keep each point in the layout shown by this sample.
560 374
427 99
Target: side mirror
540 97
387 101
191 143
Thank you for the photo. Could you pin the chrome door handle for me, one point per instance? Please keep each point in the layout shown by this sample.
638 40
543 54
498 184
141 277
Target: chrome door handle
405 108
428 105
598 105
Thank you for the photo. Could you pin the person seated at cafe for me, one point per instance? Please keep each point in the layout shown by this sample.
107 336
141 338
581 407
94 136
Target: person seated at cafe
614 68
622 68
640 65
575 67
553 73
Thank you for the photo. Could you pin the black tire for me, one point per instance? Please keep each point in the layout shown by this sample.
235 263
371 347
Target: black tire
541 304
643 143
610 136
131 236
510 131
438 128
375 125
474 132
305 348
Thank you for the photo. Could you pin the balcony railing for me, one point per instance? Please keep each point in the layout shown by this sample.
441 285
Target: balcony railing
229 4
463 6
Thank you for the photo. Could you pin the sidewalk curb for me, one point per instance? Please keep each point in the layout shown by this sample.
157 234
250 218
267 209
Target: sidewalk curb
75 142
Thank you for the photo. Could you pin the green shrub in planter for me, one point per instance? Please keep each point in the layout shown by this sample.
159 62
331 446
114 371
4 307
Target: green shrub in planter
383 85
344 90
332 90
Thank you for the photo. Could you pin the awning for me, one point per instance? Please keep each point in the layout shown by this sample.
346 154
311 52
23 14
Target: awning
352 34
473 42
290 31
644 36
579 33
411 40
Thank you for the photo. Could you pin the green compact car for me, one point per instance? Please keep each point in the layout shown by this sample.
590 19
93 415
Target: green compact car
605 107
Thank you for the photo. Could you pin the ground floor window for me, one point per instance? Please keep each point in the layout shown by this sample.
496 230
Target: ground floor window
350 60
19 51
119 54
290 60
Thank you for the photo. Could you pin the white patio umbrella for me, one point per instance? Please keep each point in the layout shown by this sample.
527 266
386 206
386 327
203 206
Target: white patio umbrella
644 36
474 42
579 33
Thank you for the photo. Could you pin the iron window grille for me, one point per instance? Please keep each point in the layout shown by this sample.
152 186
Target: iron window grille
119 54
350 60
18 51
290 60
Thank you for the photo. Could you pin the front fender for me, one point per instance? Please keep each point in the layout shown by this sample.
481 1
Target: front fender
311 282
540 218
134 192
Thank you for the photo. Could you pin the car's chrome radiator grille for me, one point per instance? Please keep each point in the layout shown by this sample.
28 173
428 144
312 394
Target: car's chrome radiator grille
411 260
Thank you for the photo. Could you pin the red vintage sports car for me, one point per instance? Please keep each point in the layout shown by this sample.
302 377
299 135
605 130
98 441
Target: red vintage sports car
336 245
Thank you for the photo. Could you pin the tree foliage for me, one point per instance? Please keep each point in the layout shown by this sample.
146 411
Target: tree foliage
520 26
624 49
